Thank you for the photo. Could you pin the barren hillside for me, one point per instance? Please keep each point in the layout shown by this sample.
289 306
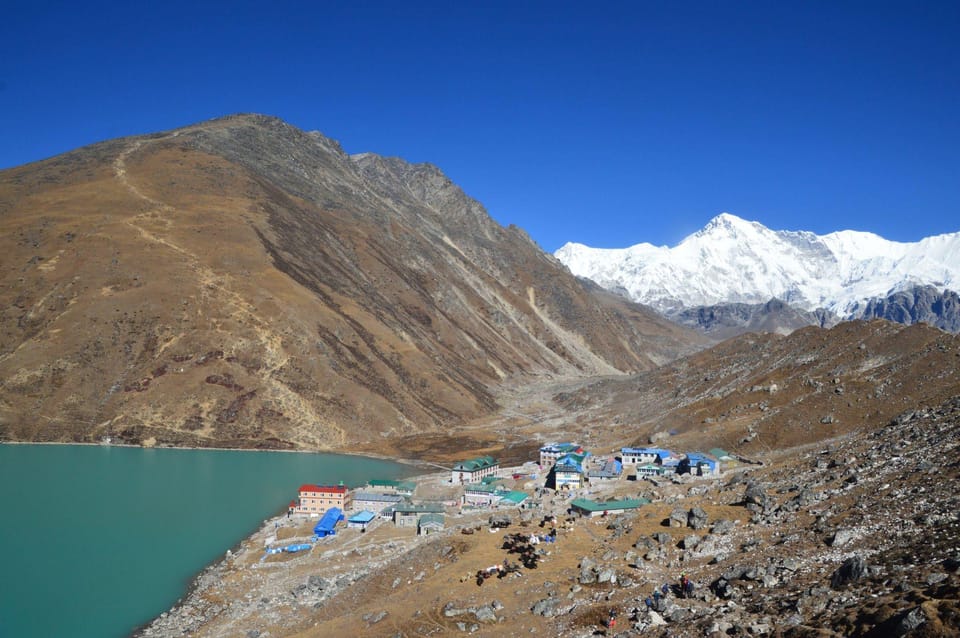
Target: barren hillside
243 283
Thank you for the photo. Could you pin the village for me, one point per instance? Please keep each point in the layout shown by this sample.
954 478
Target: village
477 545
588 484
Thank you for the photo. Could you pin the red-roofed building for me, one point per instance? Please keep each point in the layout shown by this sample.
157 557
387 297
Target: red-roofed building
317 499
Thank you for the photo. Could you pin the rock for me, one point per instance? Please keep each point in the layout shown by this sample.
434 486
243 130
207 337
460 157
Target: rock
789 564
656 619
678 518
690 541
678 614
951 564
607 575
852 569
485 614
723 526
658 436
841 538
723 589
451 610
373 619
588 571
546 607
755 498
697 518
662 538
316 583
911 620
936 577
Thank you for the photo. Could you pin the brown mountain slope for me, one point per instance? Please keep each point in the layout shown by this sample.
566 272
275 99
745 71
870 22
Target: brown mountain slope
243 283
759 392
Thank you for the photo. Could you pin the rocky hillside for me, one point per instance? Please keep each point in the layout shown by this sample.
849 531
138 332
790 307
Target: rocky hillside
918 304
855 536
244 283
757 392
723 321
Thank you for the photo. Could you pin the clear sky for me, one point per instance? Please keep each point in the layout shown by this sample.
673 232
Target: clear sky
606 123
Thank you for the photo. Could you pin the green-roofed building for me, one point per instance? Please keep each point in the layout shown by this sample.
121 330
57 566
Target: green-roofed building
513 498
474 470
587 507
390 486
480 495
408 515
721 455
429 523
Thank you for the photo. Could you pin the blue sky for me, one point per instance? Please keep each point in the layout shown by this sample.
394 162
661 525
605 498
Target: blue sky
603 123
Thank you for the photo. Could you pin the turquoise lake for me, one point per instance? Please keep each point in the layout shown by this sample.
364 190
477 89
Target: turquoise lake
99 540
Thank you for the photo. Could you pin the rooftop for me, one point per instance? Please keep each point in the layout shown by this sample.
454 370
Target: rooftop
595 506
472 465
326 489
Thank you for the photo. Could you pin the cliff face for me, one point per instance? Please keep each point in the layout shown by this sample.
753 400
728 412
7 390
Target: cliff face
244 283
920 304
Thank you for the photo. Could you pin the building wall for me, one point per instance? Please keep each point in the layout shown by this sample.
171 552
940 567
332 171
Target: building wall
564 478
372 506
318 502
458 477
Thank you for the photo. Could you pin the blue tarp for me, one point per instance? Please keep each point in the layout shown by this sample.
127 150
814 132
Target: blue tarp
327 525
297 548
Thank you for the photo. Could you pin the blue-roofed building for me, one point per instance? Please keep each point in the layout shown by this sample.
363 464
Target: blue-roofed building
698 464
361 519
645 455
568 471
327 526
550 452
610 470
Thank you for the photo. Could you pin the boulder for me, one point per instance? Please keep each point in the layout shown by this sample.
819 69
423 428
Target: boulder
546 607
588 571
852 569
841 537
485 614
909 621
697 518
690 541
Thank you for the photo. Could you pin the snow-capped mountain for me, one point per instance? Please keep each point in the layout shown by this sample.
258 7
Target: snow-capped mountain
732 260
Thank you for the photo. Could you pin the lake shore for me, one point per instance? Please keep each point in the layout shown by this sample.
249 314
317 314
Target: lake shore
192 613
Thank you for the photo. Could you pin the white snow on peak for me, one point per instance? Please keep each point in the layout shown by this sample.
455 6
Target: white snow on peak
735 260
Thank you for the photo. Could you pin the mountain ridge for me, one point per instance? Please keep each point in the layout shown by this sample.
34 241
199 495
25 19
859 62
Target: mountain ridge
243 283
732 260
